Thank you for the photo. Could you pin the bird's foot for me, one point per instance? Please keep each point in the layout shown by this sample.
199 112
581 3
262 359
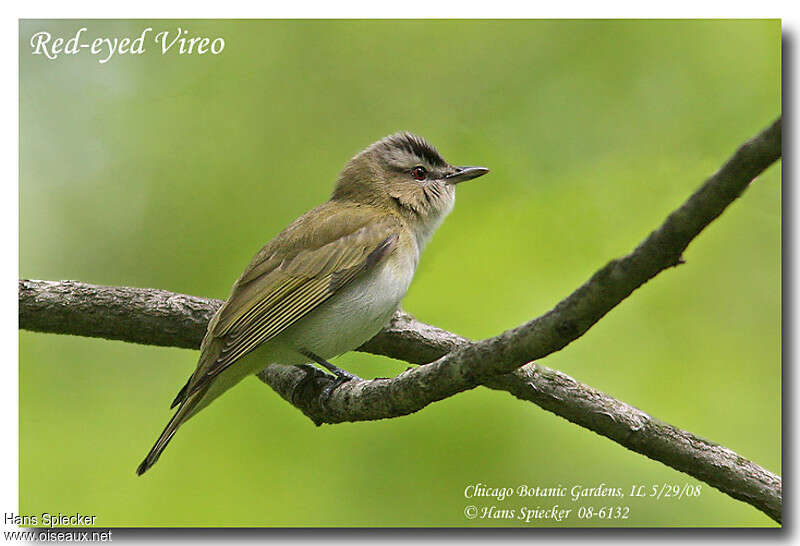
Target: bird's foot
342 377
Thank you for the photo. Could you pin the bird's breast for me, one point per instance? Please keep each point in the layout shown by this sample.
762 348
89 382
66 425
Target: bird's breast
357 312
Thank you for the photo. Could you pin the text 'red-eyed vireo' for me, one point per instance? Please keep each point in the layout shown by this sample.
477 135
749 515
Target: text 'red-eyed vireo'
332 279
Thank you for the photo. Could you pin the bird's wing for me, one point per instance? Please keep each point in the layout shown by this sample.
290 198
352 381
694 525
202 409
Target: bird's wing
282 284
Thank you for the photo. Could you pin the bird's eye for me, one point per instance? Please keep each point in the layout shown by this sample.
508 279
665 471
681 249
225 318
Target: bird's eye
419 173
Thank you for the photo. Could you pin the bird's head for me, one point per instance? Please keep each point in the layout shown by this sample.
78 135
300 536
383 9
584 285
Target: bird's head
404 173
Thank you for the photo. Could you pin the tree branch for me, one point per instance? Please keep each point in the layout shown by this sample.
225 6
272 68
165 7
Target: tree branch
163 318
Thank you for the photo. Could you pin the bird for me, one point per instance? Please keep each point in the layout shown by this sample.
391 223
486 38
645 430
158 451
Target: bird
330 280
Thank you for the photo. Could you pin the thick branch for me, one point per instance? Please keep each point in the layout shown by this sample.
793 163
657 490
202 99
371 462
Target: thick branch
149 316
161 318
177 320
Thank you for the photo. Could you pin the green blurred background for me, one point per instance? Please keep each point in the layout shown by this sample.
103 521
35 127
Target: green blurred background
171 172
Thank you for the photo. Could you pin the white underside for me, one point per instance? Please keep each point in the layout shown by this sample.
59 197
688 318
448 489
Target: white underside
353 315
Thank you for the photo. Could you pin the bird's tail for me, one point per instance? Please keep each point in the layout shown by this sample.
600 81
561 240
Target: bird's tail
180 417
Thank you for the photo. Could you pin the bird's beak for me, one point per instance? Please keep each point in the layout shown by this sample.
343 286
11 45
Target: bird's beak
465 173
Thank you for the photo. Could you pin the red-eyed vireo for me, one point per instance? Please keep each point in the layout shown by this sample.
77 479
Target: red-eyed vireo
332 279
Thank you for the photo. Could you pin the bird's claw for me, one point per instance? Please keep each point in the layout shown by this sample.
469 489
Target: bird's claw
341 378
